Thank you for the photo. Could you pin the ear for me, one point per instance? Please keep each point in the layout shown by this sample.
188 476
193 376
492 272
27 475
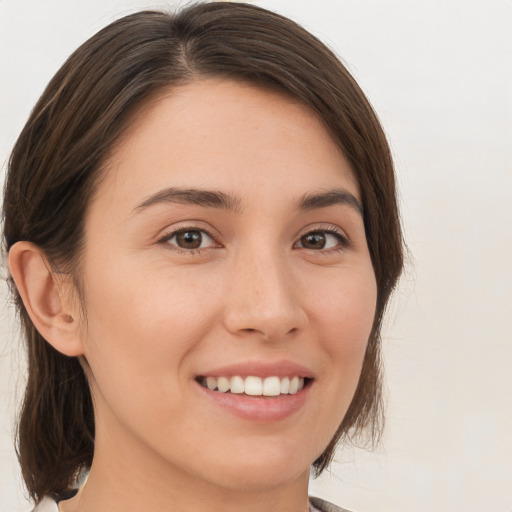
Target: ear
47 297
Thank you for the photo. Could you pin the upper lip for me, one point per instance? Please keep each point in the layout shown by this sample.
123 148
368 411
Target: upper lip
260 369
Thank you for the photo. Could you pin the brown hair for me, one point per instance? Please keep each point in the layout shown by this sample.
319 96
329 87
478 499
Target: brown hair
57 161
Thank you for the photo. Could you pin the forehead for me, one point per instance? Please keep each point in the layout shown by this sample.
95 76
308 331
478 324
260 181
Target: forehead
227 135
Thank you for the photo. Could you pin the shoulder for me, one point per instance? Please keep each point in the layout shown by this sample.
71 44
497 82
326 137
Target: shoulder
47 504
319 505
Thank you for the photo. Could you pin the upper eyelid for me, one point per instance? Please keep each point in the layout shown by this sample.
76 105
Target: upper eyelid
165 239
345 241
342 237
304 231
330 228
174 230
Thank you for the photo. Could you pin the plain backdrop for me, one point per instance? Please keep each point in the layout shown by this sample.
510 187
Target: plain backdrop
439 74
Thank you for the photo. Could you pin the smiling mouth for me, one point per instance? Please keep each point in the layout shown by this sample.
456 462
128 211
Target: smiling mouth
255 386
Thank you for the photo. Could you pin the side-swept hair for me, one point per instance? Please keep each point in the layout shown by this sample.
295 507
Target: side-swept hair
57 162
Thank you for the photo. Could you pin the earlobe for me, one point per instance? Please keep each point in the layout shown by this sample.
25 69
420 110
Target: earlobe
45 298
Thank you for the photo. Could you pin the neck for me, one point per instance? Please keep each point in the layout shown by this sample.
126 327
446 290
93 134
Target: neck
127 477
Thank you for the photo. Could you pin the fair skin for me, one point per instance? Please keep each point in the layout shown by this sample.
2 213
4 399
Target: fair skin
263 284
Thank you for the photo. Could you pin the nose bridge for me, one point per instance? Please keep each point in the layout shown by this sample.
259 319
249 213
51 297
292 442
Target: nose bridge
263 295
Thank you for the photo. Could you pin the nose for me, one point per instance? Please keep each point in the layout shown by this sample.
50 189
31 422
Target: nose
263 298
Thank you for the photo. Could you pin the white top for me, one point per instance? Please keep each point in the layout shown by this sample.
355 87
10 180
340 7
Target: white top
47 504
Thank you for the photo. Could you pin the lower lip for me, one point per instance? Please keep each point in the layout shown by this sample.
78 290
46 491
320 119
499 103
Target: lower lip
258 409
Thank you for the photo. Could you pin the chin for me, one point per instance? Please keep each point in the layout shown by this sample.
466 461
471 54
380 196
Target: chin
260 479
257 472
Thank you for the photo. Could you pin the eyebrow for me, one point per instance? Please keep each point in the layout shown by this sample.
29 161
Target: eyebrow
312 201
206 198
224 201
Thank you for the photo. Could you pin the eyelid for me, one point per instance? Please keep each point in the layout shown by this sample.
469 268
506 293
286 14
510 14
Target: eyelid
342 236
176 229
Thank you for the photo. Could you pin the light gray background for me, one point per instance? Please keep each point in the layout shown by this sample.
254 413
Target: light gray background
439 75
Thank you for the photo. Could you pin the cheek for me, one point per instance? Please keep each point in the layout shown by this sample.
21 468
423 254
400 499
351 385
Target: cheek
134 302
341 314
140 334
140 329
344 309
343 317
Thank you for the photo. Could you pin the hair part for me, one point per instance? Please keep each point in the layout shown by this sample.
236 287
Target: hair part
58 161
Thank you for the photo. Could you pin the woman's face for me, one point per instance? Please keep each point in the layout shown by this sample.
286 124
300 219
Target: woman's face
226 241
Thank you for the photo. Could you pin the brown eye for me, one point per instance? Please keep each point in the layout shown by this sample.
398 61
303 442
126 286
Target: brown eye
189 240
315 240
323 239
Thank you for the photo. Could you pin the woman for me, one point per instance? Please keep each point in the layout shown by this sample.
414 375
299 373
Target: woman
202 230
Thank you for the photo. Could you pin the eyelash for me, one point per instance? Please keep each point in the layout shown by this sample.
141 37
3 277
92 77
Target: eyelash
343 240
169 236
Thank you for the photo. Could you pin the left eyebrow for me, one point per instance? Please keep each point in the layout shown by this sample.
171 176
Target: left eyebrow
312 201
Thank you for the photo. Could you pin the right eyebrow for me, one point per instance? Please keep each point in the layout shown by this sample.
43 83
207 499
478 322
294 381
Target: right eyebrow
206 198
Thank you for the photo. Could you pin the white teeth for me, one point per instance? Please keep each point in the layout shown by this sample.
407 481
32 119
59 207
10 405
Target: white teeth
222 384
271 386
237 385
294 386
255 386
211 382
